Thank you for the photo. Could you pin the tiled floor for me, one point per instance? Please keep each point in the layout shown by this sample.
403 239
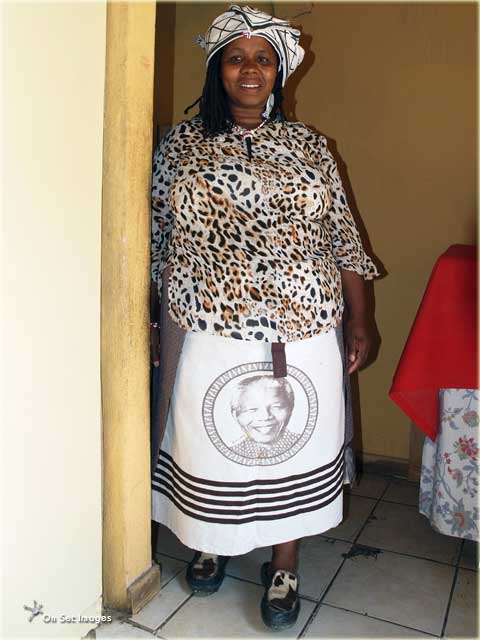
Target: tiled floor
383 573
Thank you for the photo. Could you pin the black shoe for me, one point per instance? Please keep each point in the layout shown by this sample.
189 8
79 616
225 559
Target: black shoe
205 573
280 604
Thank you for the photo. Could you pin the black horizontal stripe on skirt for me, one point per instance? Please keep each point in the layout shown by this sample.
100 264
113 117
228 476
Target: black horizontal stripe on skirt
257 509
172 481
186 498
165 459
254 518
295 506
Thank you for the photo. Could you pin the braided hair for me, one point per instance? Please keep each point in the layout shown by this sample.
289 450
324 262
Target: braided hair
214 109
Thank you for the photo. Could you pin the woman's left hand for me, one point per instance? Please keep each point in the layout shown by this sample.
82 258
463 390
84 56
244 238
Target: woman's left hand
358 341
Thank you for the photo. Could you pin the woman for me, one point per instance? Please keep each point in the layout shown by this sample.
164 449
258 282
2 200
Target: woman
254 244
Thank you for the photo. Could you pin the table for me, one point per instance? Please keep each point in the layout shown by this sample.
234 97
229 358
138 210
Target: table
436 383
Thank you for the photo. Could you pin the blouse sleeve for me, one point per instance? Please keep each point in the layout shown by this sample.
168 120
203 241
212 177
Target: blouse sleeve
347 245
162 216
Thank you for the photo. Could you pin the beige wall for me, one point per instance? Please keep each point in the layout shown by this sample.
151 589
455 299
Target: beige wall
394 88
53 91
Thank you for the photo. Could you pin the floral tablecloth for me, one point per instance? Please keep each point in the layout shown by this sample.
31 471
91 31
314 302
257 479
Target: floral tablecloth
449 477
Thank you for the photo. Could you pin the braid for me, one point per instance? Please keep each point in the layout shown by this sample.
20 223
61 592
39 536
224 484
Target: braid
277 111
214 109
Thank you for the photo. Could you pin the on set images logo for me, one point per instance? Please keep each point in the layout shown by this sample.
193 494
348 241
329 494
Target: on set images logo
37 610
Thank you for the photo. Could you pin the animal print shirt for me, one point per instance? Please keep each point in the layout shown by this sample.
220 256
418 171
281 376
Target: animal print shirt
254 246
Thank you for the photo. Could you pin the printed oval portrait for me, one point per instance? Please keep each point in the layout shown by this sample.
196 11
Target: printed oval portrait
255 419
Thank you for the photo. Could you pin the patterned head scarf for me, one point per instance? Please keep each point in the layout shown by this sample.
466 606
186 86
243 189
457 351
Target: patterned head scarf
245 21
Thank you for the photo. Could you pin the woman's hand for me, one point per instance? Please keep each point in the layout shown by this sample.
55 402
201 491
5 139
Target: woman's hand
154 328
357 331
154 345
358 340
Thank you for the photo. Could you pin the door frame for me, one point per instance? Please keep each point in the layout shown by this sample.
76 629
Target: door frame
130 579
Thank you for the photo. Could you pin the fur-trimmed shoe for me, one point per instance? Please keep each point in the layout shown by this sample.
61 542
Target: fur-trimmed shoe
280 604
205 573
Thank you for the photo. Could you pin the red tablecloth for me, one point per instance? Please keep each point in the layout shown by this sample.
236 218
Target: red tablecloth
441 350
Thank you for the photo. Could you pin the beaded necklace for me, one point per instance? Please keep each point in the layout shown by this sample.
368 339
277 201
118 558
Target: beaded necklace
247 135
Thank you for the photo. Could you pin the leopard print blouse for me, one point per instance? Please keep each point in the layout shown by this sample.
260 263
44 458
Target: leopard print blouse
254 246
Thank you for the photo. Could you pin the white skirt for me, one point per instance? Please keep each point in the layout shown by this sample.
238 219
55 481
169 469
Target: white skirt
249 460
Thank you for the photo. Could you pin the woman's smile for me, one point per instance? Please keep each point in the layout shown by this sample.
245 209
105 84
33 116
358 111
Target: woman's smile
244 85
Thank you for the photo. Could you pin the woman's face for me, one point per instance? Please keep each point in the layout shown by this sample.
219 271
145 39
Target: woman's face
249 69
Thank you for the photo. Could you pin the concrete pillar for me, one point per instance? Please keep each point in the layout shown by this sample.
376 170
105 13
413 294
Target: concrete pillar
129 578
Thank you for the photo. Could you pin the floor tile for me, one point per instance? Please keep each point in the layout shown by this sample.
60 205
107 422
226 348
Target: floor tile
232 612
169 567
170 545
402 491
356 510
318 560
398 527
120 630
247 566
462 617
331 622
469 556
163 604
369 485
409 591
